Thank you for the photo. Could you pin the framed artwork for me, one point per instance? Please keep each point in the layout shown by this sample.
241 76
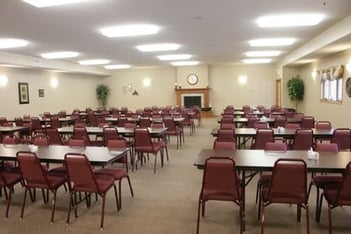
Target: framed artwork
23 93
41 92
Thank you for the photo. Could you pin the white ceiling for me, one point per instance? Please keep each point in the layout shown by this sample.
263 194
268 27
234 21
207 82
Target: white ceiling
214 31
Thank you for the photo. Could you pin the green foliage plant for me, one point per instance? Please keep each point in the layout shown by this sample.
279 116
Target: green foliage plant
102 93
296 89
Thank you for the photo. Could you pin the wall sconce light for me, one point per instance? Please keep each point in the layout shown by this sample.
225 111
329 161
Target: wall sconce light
242 80
348 67
314 74
146 82
3 80
54 82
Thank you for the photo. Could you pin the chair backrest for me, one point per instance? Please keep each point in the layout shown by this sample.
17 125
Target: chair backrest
3 120
80 174
170 124
110 133
142 139
121 121
343 195
260 124
289 181
55 122
276 146
323 125
144 122
54 136
327 147
19 121
227 119
10 140
225 125
224 145
130 125
221 178
292 125
280 122
303 139
251 121
307 122
31 169
41 141
76 143
342 137
226 135
263 135
36 125
81 133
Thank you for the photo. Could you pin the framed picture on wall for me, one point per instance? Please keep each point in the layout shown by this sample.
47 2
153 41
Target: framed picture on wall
23 93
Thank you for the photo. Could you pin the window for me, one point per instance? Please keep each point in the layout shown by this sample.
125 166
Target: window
331 90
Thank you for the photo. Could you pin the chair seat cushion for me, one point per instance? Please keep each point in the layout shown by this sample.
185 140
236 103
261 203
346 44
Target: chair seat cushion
323 180
117 173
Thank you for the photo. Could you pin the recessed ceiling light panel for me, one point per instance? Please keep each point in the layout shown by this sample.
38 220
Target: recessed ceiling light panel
117 66
158 47
253 61
6 43
94 62
272 42
49 3
130 30
185 63
268 53
290 20
60 55
170 57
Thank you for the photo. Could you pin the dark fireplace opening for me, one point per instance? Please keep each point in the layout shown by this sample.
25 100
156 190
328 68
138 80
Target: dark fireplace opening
190 101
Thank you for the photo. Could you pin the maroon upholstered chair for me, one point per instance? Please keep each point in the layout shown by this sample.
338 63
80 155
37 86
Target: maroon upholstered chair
338 195
307 122
8 179
143 144
261 124
288 185
144 122
35 176
37 128
263 135
252 121
342 136
174 130
225 125
220 183
119 144
325 125
280 122
321 181
81 133
110 133
224 145
226 135
303 139
54 137
81 178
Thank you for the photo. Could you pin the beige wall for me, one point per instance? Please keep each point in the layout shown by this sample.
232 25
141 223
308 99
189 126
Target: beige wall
73 91
338 114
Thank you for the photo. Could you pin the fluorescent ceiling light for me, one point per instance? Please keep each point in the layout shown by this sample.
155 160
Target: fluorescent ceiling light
48 3
290 20
270 53
185 63
59 55
251 61
6 43
272 42
94 62
158 47
130 30
170 57
117 66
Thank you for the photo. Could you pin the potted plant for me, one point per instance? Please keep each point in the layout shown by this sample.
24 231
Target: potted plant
102 93
296 89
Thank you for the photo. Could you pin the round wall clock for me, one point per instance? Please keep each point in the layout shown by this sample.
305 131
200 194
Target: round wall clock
192 79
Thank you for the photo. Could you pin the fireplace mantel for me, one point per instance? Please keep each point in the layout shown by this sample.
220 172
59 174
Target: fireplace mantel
204 91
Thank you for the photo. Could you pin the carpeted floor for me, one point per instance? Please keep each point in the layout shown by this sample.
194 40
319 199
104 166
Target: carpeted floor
166 202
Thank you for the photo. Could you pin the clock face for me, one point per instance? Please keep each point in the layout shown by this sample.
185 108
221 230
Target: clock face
192 79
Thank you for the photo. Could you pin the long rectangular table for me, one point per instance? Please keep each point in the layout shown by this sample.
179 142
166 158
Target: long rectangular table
243 134
241 121
99 156
260 160
12 130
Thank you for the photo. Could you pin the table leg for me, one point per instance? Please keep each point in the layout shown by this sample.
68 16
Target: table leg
243 185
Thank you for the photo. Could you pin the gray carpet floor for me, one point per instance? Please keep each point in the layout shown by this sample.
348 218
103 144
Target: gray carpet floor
166 202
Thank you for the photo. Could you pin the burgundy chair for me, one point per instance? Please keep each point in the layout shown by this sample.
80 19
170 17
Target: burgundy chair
303 139
143 144
263 135
40 141
110 133
174 130
144 122
252 121
55 122
8 179
292 125
119 144
226 135
54 137
342 136
37 128
323 125
224 145
188 122
307 122
224 125
288 185
81 133
321 181
261 124
220 183
227 119
35 176
162 138
81 178
337 194
280 122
